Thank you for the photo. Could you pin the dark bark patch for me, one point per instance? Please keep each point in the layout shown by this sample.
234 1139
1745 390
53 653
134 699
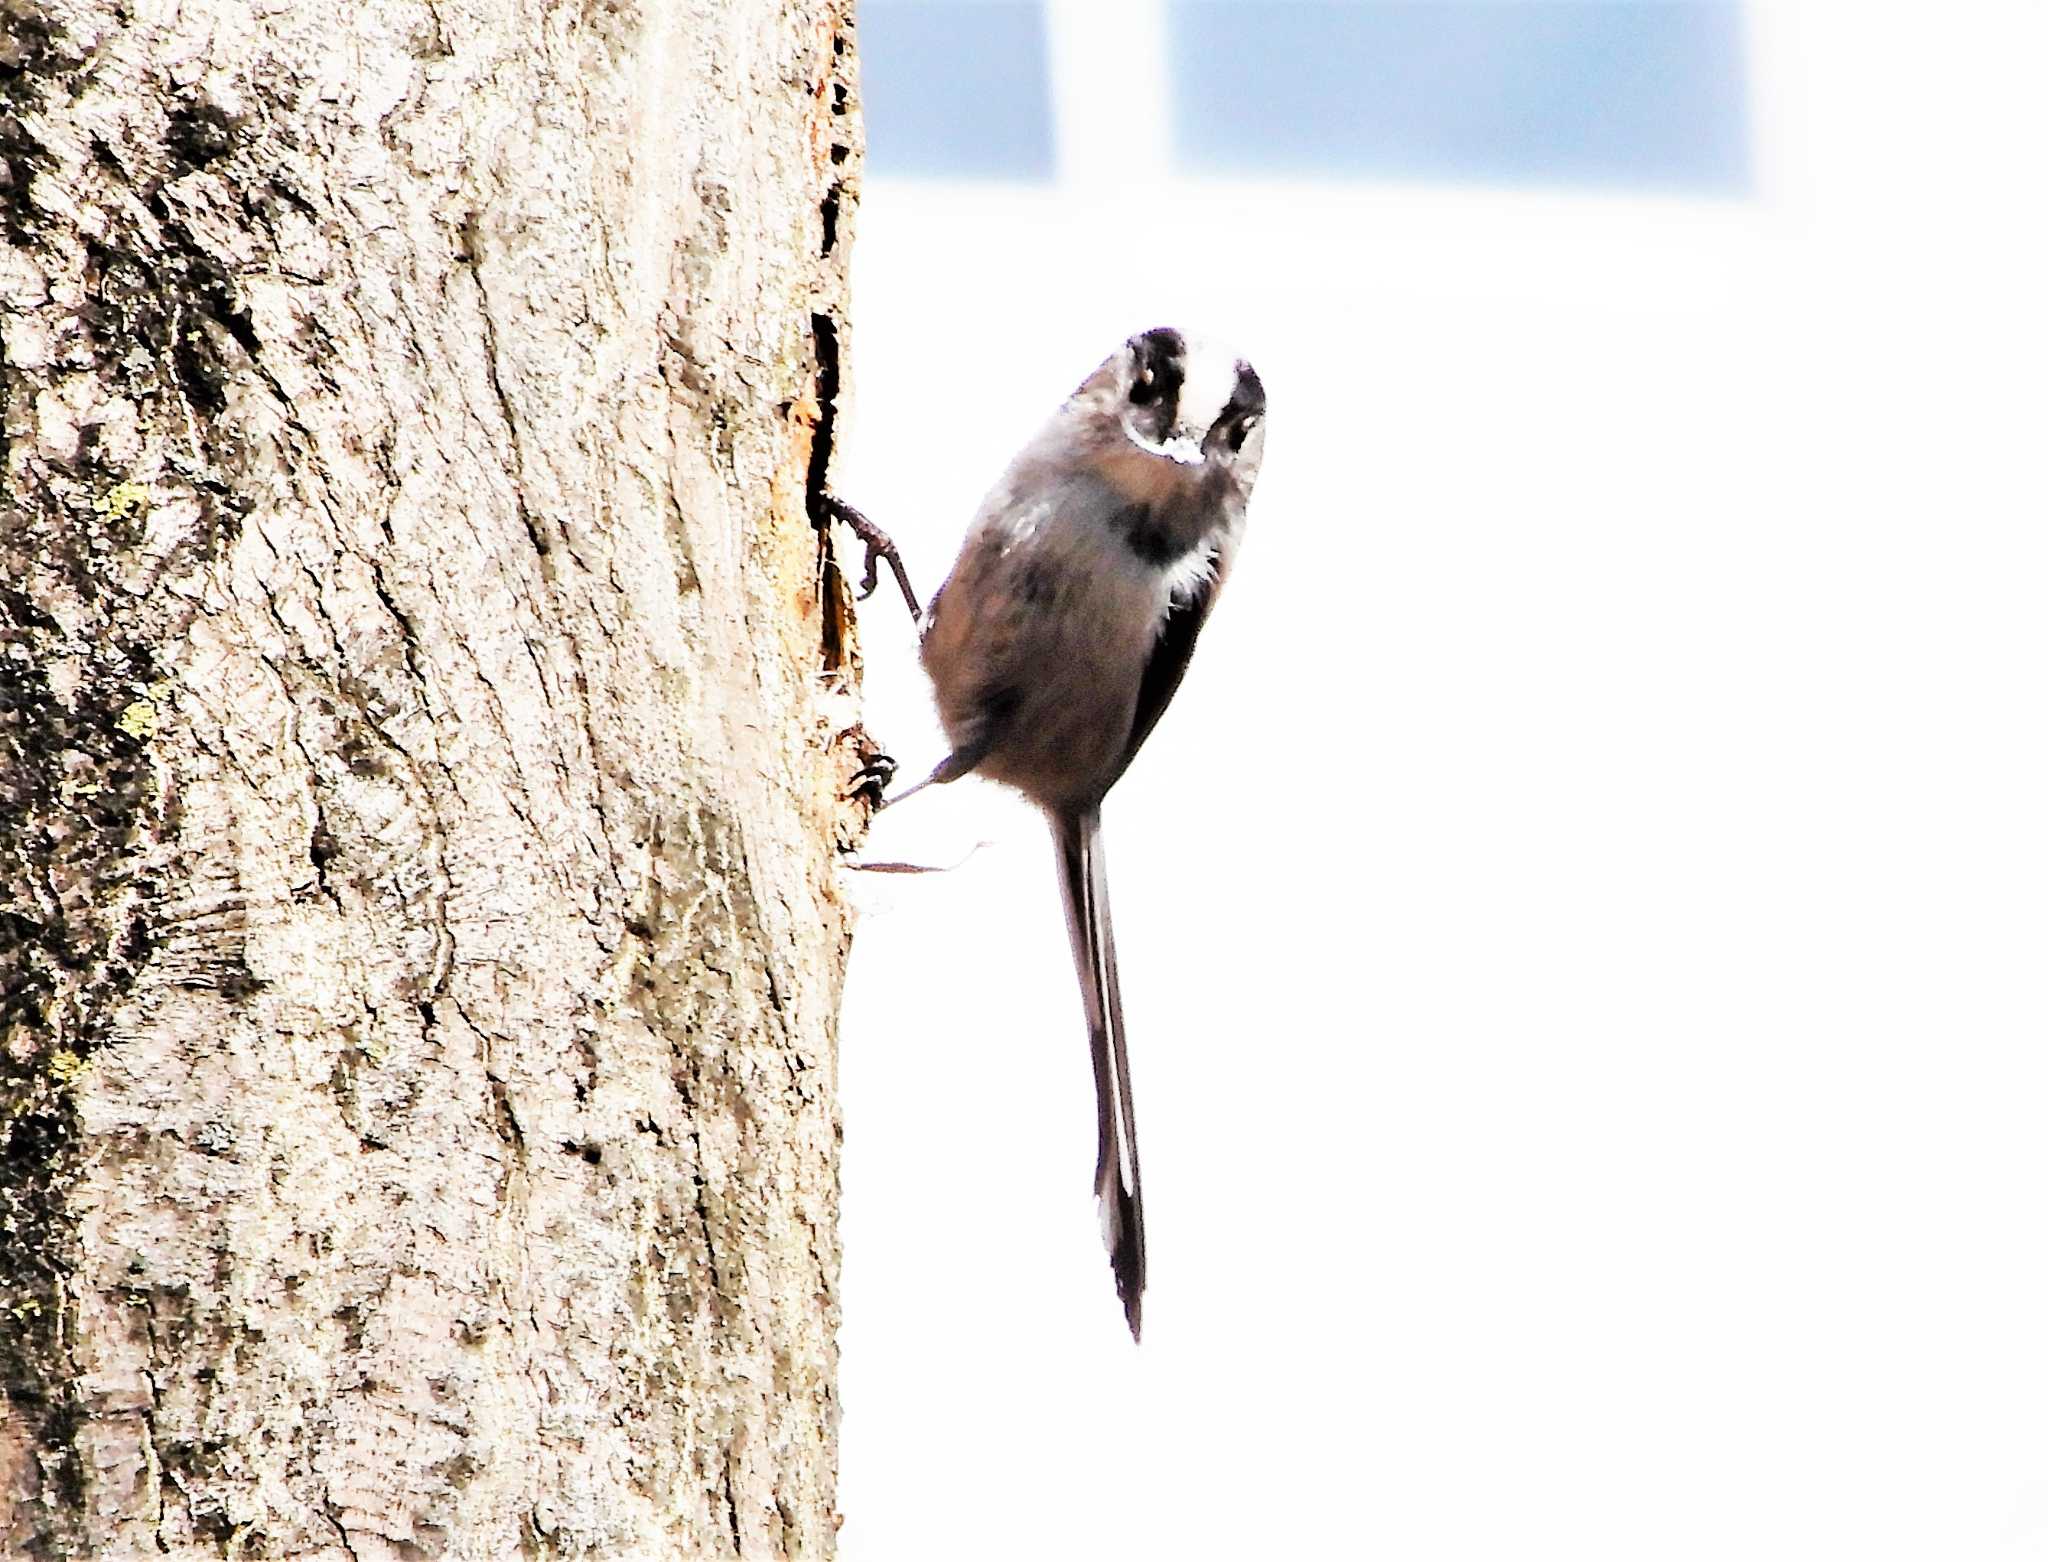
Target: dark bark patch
198 132
83 807
834 592
77 803
828 215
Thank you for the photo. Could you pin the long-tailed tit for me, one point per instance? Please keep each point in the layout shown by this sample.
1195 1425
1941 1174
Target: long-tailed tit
1064 630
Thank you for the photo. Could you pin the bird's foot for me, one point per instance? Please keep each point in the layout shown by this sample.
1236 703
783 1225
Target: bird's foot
876 770
879 547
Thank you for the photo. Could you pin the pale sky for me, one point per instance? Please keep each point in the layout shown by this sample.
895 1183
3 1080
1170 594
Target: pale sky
1645 94
1583 919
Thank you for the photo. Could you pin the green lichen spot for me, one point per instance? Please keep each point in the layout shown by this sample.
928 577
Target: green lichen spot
139 719
122 501
66 1065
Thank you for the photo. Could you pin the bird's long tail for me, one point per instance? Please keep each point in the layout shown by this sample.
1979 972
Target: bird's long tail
1084 884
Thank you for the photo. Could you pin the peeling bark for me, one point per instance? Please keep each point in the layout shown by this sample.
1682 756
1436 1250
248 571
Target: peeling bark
421 689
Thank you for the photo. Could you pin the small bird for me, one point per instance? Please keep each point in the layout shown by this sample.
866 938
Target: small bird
1064 630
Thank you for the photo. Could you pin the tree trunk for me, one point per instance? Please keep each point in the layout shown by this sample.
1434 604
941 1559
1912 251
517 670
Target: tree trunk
422 708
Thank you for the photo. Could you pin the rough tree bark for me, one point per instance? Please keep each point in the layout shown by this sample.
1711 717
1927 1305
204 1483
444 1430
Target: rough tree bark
421 698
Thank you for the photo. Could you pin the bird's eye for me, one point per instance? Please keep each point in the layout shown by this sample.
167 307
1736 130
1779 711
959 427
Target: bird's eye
1145 387
1243 428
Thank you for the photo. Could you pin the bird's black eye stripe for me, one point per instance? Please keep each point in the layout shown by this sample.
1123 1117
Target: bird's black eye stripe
1248 396
1246 406
1156 370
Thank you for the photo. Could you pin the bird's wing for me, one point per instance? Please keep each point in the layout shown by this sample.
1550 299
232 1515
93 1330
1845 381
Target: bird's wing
1168 663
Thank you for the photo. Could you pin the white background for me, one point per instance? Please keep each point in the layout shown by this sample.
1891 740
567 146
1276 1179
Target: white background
1583 920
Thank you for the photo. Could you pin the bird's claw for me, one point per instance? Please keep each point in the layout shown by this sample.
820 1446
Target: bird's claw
879 546
877 769
873 778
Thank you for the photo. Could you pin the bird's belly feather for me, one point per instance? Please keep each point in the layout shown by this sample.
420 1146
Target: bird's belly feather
1042 649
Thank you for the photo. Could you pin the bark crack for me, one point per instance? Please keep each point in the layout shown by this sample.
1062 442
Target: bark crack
732 1510
492 373
332 1511
817 489
443 882
156 1462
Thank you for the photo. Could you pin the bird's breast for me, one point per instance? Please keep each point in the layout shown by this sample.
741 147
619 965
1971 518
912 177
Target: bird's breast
1039 639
